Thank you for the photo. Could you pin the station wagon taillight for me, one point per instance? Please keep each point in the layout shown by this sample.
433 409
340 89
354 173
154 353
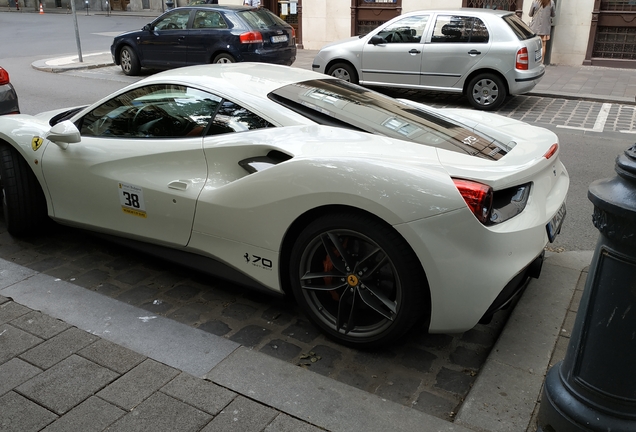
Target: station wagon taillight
251 37
4 77
522 59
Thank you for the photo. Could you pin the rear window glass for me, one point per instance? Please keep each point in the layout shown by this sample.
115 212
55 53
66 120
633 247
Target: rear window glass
262 19
339 103
520 28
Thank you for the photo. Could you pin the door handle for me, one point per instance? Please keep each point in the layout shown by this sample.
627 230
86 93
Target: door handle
414 51
474 52
178 185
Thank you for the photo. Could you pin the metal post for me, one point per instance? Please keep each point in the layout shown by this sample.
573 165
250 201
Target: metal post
86 2
594 388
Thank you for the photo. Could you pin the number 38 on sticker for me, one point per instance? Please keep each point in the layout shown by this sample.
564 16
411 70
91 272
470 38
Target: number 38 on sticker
131 198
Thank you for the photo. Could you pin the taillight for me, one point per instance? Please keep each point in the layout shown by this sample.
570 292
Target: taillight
251 37
522 59
478 197
4 77
551 151
293 32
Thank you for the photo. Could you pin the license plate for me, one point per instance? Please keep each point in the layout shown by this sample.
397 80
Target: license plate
537 55
554 226
276 39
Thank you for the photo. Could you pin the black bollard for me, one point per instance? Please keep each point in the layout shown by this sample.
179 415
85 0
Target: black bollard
594 387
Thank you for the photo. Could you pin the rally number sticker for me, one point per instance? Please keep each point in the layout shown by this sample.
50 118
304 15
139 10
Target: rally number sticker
132 200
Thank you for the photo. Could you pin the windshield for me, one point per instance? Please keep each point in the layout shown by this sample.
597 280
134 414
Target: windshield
339 103
520 28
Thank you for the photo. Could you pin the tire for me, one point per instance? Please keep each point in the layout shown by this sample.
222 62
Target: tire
344 71
367 300
129 61
486 92
23 202
224 58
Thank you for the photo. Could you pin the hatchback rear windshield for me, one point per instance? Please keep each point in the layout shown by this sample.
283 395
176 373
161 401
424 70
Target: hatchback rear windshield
262 19
338 103
520 28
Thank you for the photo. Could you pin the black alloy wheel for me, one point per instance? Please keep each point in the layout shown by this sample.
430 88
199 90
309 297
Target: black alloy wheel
23 202
357 280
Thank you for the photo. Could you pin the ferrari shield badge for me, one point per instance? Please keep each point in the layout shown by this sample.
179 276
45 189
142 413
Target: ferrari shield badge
36 142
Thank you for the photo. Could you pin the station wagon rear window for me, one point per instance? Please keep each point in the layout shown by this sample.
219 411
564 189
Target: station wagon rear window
338 103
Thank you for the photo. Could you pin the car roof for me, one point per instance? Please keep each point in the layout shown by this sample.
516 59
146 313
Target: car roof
471 11
238 80
234 8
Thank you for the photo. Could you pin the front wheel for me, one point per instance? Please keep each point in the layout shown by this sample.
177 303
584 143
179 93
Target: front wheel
224 58
129 61
357 279
344 71
23 202
486 92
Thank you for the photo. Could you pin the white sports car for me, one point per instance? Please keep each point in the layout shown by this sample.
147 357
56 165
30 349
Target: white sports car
375 213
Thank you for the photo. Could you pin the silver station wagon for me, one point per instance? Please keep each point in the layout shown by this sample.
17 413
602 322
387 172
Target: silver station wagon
484 54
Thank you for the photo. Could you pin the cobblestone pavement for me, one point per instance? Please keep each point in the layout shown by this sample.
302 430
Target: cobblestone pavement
431 373
581 115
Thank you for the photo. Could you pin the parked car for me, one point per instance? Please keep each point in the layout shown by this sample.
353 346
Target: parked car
374 213
8 96
484 54
206 33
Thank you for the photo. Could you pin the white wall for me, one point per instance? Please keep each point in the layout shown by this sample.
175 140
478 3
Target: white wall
325 21
571 32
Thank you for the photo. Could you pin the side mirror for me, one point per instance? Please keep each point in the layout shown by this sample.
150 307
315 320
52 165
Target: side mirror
147 27
63 134
377 40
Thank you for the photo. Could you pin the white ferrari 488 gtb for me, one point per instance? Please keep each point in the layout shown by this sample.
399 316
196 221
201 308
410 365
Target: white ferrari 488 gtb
375 213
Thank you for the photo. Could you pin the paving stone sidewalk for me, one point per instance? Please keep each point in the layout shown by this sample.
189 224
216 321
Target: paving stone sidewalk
55 377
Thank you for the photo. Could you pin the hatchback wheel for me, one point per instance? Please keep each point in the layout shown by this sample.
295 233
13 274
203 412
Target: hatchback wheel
343 71
486 92
224 58
357 280
129 61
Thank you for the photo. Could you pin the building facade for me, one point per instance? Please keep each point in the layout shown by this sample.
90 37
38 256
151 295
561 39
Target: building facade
590 32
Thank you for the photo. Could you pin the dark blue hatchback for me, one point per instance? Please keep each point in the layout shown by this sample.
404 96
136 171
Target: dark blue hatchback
206 34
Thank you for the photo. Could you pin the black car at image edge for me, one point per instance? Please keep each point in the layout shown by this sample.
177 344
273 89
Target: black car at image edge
204 34
8 96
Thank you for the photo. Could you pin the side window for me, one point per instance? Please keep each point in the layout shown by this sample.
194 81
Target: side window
453 29
234 118
208 20
178 20
155 111
407 30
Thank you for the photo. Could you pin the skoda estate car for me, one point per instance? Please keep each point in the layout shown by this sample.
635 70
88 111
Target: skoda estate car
206 33
484 54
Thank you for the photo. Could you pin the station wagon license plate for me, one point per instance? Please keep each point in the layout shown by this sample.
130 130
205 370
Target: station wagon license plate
276 39
554 226
537 55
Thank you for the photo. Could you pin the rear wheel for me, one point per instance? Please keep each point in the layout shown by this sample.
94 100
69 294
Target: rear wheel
357 280
23 202
224 58
343 71
486 92
129 61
